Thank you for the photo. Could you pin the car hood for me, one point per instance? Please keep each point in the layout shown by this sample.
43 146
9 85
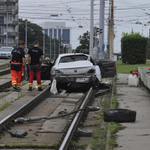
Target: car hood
78 67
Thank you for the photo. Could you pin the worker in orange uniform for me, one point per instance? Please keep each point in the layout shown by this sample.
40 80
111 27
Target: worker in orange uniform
17 62
35 66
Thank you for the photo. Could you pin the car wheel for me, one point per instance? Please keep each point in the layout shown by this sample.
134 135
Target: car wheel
119 115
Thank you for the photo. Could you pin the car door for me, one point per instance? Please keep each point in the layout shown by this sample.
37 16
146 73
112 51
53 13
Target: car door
108 68
45 71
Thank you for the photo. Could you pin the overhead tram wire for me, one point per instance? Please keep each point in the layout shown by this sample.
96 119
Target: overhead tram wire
134 6
69 2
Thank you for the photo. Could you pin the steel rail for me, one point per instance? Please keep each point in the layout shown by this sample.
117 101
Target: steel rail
75 122
22 109
4 71
7 84
7 65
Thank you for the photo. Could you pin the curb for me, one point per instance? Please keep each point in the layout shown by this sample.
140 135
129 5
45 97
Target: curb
108 132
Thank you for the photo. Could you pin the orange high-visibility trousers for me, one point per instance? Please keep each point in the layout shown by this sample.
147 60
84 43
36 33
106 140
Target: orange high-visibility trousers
16 74
16 77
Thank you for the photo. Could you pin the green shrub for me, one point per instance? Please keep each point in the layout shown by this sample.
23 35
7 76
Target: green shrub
133 48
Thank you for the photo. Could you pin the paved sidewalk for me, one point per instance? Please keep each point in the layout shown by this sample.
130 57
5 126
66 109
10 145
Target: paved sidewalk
136 136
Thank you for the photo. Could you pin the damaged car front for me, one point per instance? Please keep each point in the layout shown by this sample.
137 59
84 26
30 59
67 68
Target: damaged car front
73 70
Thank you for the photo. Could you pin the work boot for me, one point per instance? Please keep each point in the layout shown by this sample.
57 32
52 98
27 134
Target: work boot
30 89
15 87
19 89
40 89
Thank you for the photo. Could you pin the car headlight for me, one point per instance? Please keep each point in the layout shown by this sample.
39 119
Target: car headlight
91 71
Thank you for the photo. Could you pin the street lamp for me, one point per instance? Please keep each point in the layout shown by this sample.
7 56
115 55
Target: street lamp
7 29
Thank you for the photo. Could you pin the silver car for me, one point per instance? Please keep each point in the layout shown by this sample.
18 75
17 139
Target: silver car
5 52
75 68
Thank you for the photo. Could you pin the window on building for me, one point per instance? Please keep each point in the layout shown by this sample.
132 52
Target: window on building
50 33
46 31
1 7
55 33
10 40
9 19
1 19
1 30
9 7
1 40
59 34
66 36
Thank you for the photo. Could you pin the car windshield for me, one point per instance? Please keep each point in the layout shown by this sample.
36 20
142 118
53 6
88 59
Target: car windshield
73 58
6 49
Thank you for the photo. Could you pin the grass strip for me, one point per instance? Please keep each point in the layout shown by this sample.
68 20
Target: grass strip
126 68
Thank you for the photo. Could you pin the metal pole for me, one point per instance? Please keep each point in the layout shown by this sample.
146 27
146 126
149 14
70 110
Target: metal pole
54 47
111 30
108 38
101 27
44 42
59 45
7 29
91 28
26 34
50 48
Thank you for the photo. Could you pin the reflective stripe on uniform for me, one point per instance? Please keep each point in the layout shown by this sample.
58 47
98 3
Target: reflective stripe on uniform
30 84
39 85
13 82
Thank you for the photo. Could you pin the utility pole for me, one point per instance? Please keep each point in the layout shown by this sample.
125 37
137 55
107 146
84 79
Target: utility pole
101 27
91 28
7 29
111 29
108 38
44 41
26 33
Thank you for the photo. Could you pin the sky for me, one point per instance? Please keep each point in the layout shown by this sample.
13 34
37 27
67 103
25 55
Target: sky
128 15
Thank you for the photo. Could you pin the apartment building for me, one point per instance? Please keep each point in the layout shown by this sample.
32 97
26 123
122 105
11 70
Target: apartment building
9 26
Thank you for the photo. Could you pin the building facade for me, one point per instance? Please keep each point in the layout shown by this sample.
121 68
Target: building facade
59 31
9 25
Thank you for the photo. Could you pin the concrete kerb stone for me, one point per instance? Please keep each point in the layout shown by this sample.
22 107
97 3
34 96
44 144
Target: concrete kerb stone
108 132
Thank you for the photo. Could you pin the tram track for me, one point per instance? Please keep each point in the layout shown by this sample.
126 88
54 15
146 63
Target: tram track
39 130
7 122
4 123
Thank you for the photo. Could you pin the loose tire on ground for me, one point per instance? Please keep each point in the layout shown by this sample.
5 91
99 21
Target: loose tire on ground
119 115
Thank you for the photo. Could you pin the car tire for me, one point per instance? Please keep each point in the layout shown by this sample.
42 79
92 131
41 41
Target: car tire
119 115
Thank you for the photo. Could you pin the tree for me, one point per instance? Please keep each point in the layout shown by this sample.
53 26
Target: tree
35 32
85 42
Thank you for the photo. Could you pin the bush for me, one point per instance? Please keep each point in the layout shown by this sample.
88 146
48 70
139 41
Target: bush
133 48
148 50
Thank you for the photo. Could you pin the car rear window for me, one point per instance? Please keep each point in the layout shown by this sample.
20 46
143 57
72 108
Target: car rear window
73 58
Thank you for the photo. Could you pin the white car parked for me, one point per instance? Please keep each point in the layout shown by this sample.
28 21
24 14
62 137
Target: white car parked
5 52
